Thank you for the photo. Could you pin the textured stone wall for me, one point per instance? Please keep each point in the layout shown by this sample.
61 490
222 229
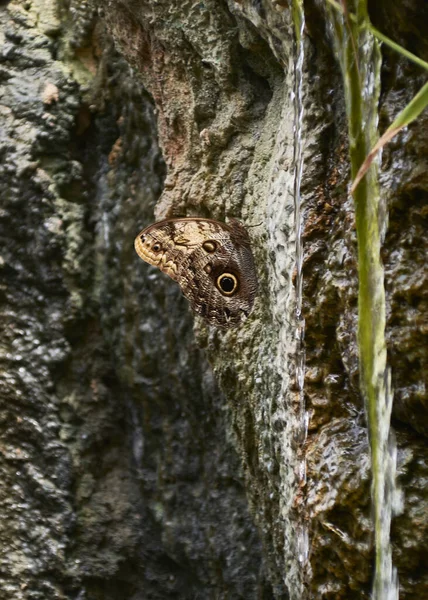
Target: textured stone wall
140 458
118 476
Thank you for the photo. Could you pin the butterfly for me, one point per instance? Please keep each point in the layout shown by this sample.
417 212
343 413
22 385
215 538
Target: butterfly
211 261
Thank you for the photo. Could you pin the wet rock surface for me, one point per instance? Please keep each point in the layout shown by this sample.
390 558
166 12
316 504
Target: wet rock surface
118 478
125 472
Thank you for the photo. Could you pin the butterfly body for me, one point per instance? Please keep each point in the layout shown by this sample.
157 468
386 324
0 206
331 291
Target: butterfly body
210 260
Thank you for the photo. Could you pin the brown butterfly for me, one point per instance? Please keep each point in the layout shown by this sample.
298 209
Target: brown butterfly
211 261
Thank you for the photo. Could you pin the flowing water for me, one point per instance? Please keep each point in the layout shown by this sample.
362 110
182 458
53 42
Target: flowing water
386 496
298 169
299 24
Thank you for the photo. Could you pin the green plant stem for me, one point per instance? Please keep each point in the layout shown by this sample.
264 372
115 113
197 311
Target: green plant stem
360 61
388 42
371 295
381 37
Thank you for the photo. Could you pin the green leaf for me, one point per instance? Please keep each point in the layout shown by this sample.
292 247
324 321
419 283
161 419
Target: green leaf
407 115
413 109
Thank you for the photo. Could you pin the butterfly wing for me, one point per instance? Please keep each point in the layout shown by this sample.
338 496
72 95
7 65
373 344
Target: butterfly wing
211 261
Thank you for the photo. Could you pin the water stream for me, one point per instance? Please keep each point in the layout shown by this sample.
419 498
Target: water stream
298 169
299 24
386 497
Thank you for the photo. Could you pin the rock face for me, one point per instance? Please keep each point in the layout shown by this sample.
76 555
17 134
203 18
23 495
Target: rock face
139 457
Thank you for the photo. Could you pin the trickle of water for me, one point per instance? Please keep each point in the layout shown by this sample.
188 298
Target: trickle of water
299 23
137 437
386 497
300 357
101 199
303 547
